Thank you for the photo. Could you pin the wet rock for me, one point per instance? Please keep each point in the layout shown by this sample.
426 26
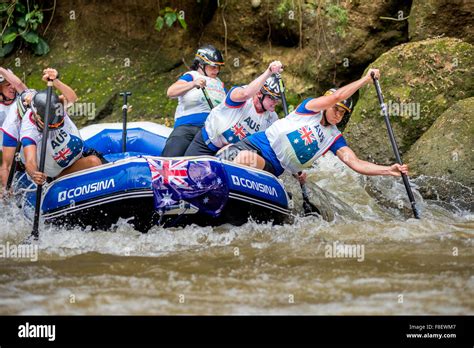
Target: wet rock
453 18
328 204
420 80
443 158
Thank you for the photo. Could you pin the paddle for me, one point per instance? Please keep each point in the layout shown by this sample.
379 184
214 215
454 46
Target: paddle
39 189
124 119
12 171
308 207
391 136
206 95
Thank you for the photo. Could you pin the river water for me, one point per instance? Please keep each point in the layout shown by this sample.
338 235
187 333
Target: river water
397 265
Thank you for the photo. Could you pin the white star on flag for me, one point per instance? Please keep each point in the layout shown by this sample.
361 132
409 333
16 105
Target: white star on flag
295 141
205 200
167 200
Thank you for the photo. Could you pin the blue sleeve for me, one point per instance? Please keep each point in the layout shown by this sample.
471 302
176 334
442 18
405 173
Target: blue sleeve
230 103
341 142
301 109
186 77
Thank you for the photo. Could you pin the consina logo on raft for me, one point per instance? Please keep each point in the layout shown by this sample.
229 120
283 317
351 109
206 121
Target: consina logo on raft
83 190
253 185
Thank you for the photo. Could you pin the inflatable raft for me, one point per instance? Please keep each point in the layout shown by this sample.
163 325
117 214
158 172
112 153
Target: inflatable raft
146 189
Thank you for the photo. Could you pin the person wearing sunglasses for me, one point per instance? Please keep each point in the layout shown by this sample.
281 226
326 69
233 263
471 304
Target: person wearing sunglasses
64 149
296 141
245 110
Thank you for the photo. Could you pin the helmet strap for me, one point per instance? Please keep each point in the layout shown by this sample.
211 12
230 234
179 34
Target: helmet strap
203 68
260 99
325 120
6 99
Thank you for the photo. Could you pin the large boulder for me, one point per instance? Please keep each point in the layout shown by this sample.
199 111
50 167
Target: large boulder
443 157
453 18
419 80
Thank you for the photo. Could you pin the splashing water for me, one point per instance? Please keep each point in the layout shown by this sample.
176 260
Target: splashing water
370 259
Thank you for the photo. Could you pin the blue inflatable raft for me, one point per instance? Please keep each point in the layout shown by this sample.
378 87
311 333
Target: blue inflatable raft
147 189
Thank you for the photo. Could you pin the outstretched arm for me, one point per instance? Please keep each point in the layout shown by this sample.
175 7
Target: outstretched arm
67 92
325 102
348 156
13 80
241 94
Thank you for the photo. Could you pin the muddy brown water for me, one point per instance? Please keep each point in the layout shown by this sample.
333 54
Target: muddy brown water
381 263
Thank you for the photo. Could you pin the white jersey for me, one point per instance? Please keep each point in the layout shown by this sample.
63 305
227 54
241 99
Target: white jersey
64 147
193 107
4 111
233 121
12 123
299 139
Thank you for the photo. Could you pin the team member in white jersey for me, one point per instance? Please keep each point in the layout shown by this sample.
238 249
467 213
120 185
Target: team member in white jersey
193 107
64 148
10 88
295 142
246 110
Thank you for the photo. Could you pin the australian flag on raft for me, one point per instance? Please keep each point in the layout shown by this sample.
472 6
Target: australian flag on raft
304 142
198 182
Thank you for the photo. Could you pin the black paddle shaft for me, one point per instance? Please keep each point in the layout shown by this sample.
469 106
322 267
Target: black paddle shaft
12 171
206 95
391 136
124 119
44 142
282 93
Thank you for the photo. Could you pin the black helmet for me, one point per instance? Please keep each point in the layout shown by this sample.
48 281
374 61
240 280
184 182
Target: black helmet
56 110
271 87
347 105
209 55
21 102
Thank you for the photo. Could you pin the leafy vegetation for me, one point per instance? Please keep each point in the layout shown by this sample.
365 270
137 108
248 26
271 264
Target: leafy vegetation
169 16
19 24
339 15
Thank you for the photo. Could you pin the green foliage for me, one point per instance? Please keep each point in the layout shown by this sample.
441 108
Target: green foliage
283 9
19 22
169 16
338 15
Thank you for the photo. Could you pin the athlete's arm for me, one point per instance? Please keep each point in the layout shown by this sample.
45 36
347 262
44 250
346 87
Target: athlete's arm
241 94
181 87
31 165
325 102
13 80
348 156
66 91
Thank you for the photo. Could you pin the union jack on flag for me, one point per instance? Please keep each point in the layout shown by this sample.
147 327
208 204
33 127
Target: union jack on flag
239 131
63 154
169 172
307 135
